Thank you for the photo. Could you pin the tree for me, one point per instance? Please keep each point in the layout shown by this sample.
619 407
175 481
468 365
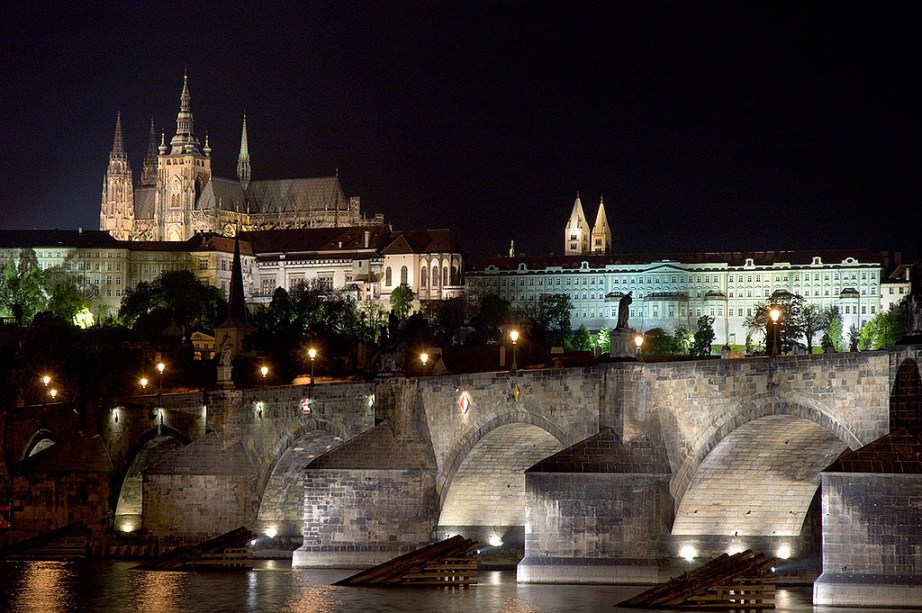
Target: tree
188 301
446 319
704 336
883 330
23 291
603 340
549 315
833 327
659 342
581 340
684 339
853 334
493 312
401 302
67 301
812 320
789 322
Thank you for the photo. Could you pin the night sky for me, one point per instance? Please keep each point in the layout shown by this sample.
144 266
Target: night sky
705 126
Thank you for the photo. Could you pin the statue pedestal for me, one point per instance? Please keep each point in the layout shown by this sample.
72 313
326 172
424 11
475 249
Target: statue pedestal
622 344
225 381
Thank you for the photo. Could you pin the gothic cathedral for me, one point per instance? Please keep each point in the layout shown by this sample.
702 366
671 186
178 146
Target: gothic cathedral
177 196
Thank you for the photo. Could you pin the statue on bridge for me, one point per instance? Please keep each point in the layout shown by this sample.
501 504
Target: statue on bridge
624 311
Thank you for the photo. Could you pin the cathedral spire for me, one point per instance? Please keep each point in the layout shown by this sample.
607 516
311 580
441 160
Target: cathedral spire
243 160
185 140
149 168
118 147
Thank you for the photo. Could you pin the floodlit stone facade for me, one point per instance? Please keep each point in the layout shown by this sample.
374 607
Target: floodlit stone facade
177 195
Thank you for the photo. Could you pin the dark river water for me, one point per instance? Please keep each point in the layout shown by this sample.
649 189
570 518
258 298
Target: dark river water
48 587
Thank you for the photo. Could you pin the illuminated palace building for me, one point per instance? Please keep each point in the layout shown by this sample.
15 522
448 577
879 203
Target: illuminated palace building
176 195
672 290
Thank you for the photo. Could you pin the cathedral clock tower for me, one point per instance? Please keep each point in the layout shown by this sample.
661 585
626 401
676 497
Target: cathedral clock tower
183 170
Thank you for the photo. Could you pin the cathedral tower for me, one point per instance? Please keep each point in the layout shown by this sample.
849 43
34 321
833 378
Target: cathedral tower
116 212
149 168
243 160
601 232
576 232
183 170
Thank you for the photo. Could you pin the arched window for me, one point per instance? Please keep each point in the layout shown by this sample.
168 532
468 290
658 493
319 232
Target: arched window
404 275
388 277
445 276
423 276
455 275
435 275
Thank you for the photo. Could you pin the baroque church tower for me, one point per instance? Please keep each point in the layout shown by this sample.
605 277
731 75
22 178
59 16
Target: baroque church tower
576 232
183 170
116 213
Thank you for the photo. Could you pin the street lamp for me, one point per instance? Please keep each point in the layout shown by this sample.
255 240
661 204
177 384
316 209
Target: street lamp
46 380
773 341
514 336
264 371
160 367
53 392
312 353
638 340
144 383
424 358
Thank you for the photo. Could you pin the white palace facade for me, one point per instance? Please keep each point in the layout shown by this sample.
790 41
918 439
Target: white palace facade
673 290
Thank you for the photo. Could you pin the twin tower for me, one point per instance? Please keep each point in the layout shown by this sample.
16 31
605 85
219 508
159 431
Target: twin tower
578 240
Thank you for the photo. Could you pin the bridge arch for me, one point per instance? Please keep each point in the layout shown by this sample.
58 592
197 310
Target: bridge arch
753 408
470 439
280 516
484 494
155 445
41 440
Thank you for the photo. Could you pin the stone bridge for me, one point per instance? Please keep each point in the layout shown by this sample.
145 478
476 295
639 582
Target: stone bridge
593 474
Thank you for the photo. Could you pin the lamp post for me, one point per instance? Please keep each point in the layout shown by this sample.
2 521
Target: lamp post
424 358
312 353
53 393
514 336
773 340
638 341
143 383
264 371
45 380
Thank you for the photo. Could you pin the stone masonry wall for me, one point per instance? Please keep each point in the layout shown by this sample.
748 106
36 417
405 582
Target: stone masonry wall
872 540
358 518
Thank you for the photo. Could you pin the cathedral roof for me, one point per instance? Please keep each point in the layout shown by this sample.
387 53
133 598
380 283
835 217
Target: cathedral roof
294 195
223 195
144 198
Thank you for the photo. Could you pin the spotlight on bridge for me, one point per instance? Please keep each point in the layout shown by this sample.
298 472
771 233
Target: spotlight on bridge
688 552
271 532
495 541
784 552
126 528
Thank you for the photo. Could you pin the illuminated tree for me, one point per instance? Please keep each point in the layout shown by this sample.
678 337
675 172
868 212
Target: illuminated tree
401 302
811 321
23 291
549 315
704 337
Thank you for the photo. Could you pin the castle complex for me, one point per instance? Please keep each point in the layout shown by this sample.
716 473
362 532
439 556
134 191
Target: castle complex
177 195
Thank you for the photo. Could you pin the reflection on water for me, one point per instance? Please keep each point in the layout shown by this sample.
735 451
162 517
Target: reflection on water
49 587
